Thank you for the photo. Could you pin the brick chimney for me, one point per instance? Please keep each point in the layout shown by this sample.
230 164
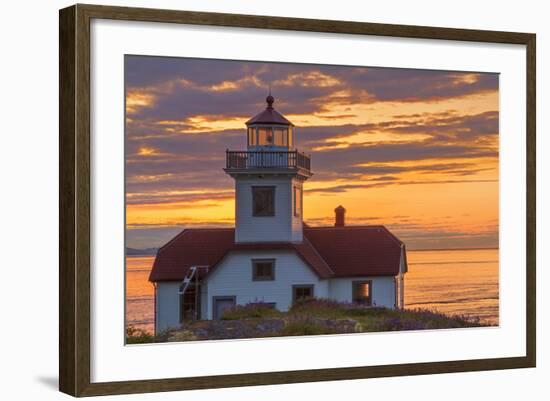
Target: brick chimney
340 216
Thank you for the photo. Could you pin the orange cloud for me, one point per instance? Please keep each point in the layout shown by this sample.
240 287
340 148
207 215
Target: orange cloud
137 99
148 151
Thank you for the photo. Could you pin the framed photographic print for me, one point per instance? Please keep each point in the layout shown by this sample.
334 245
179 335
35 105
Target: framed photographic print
306 200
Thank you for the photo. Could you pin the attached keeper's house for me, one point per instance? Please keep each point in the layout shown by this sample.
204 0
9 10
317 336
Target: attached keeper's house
271 256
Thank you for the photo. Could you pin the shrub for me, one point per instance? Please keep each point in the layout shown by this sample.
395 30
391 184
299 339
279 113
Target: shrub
368 311
250 311
305 327
182 335
324 303
398 324
320 307
326 307
312 316
136 335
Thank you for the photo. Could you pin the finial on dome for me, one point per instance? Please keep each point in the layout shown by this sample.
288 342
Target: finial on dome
270 99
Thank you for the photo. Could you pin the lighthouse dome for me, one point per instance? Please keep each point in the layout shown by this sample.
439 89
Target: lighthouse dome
269 115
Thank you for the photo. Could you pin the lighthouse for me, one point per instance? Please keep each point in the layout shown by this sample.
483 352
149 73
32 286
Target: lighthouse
270 256
269 179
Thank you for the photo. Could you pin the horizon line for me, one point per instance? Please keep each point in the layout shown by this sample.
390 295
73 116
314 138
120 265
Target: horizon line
415 250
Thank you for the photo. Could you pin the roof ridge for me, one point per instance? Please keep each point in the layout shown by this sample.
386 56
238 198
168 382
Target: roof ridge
265 242
186 230
348 226
169 243
318 254
370 226
393 236
210 228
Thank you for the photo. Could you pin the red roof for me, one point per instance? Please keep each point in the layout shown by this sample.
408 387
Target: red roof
329 251
194 247
357 250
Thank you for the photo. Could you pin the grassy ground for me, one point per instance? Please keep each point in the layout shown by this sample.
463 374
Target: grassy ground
310 317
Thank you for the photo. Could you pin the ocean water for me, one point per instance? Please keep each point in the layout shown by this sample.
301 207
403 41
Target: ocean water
454 282
140 292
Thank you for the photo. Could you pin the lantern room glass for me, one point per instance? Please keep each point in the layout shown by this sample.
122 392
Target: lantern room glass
270 136
265 136
251 136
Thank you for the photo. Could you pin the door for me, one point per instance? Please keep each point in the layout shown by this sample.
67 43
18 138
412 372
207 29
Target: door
221 304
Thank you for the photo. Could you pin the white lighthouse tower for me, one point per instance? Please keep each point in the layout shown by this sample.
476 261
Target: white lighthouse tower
269 178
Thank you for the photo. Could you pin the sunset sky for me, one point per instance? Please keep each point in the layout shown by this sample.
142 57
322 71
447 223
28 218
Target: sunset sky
414 150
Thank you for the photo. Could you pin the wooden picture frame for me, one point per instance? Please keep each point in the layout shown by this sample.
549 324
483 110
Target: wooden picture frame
74 203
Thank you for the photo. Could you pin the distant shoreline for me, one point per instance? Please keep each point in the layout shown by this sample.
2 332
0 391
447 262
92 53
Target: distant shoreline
141 252
452 249
153 251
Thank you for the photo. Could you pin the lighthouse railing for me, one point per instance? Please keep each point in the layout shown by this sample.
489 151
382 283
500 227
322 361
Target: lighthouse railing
267 159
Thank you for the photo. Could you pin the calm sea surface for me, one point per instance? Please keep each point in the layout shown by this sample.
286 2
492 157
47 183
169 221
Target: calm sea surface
463 282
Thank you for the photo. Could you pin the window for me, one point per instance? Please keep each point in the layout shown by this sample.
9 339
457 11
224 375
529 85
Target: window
301 292
362 292
297 201
269 136
263 201
263 269
252 137
265 136
281 136
289 139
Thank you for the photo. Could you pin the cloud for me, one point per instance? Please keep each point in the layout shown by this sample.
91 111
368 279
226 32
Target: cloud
439 127
390 84
459 127
148 151
179 198
348 160
191 161
184 87
182 114
143 71
369 185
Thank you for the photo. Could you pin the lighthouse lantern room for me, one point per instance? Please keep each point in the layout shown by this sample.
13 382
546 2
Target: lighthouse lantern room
269 130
